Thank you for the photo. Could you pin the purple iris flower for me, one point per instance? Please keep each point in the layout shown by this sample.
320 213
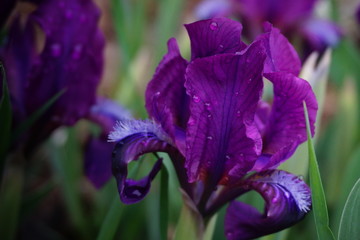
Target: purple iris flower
69 58
295 19
223 140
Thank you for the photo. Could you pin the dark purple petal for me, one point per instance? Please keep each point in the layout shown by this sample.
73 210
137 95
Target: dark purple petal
71 59
281 55
286 127
135 138
281 13
320 34
214 36
98 161
166 99
221 138
17 57
287 200
358 14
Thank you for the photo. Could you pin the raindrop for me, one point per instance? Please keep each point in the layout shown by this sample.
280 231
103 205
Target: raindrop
56 50
209 115
221 46
237 53
213 26
238 113
236 93
191 122
209 137
287 195
196 98
250 79
208 106
157 94
227 157
77 51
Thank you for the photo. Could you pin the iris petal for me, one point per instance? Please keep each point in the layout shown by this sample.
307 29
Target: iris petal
282 56
71 59
134 139
214 36
287 200
222 140
286 127
166 99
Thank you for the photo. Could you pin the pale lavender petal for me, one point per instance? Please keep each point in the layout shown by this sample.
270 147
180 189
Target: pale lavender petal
214 36
97 158
286 127
287 200
222 141
281 55
166 99
320 34
71 59
213 8
106 113
133 139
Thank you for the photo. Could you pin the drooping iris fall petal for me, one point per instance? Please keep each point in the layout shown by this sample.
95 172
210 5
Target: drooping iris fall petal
287 200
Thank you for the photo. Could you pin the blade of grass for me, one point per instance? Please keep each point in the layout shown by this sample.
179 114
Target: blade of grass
5 120
164 205
10 197
318 196
350 218
112 219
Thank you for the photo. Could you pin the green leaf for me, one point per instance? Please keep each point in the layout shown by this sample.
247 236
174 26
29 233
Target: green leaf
349 223
112 220
318 196
164 204
188 226
5 120
25 125
10 197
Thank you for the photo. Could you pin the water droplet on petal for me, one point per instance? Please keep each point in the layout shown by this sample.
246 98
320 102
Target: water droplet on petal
237 53
287 194
56 50
157 94
191 122
77 51
208 106
250 79
213 26
236 93
196 98
209 137
209 115
227 157
238 113
221 46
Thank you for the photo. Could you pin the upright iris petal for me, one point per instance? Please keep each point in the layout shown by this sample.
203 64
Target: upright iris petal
223 85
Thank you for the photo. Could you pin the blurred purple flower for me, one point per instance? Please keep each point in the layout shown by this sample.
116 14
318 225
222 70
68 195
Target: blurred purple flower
105 113
71 60
293 17
223 140
358 14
